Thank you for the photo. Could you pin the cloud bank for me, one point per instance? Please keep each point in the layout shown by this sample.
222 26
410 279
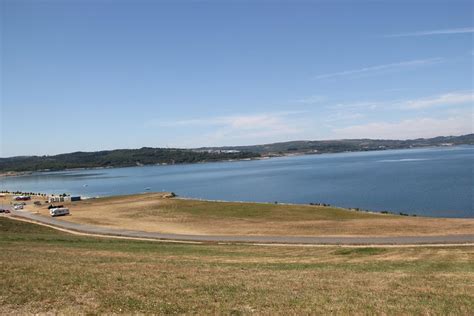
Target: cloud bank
410 128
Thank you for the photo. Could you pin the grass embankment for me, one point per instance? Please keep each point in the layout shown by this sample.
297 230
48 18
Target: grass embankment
43 270
151 212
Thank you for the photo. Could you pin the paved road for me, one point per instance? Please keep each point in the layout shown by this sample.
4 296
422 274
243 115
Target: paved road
397 240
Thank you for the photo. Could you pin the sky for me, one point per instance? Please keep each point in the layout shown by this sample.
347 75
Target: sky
95 75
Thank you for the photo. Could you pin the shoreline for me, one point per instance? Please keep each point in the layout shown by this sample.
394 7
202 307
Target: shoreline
182 219
186 198
15 173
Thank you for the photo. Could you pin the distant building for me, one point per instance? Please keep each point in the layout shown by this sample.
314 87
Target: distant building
62 198
55 198
217 151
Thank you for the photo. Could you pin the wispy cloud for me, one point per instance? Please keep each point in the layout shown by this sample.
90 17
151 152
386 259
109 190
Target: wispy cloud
381 68
344 116
435 32
312 99
452 98
358 105
249 121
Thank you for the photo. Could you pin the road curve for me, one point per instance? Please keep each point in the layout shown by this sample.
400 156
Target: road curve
315 240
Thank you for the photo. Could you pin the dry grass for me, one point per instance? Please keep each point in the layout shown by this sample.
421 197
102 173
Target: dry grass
151 212
48 271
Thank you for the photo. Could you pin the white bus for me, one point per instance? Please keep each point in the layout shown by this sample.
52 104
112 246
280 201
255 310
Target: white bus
59 211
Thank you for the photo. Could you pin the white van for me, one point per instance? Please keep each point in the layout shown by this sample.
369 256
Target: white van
58 211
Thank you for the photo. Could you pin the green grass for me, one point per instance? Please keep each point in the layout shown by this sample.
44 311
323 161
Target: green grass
43 270
357 251
275 212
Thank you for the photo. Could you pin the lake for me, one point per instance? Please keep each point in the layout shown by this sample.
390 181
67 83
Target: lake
430 181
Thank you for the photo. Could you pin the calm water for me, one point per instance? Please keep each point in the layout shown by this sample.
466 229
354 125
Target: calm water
433 182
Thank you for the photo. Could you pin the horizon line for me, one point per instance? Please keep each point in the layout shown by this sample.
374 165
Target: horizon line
233 146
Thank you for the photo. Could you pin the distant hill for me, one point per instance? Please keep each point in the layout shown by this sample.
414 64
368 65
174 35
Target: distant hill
151 156
116 158
343 145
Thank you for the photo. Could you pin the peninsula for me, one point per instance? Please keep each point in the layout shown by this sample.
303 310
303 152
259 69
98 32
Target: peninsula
153 156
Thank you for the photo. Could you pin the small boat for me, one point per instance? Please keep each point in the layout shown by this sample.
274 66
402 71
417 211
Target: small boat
147 189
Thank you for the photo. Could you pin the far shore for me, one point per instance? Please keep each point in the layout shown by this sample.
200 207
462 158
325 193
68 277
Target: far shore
268 156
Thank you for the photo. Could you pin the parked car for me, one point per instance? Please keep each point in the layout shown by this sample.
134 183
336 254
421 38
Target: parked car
54 206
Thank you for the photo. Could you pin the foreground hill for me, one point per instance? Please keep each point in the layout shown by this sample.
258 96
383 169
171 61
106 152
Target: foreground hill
150 156
50 272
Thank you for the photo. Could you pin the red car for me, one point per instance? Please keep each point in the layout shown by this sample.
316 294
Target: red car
22 198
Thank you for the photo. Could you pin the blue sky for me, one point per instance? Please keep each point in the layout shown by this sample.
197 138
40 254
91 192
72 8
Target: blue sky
93 75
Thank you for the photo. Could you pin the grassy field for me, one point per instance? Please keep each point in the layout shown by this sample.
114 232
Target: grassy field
151 212
43 270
